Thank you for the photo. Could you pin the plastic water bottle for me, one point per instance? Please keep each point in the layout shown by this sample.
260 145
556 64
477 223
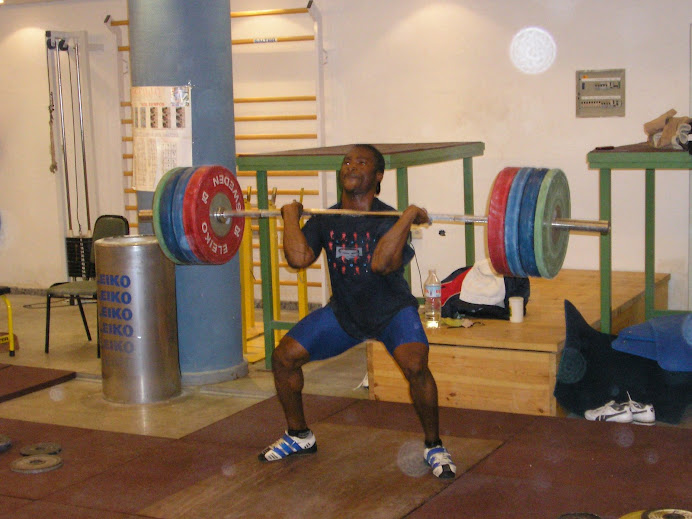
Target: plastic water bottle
433 300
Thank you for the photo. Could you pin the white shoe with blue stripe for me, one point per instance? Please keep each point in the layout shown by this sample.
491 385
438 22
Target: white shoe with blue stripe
440 461
289 445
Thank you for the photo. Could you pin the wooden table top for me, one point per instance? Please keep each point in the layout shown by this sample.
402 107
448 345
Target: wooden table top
543 328
330 157
638 156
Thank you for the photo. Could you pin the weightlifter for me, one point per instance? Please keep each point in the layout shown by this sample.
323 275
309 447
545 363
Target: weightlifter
370 299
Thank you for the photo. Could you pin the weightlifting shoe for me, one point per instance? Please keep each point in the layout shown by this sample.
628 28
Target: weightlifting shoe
610 412
440 461
289 445
642 414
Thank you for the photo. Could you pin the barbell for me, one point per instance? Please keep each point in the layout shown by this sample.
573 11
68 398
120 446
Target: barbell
198 216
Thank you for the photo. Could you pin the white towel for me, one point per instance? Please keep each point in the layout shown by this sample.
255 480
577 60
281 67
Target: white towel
656 138
482 286
681 137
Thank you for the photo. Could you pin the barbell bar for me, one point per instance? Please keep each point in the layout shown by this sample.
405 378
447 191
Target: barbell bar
569 224
201 219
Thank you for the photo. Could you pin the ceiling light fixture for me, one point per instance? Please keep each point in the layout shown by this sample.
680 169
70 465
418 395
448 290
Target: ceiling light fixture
533 50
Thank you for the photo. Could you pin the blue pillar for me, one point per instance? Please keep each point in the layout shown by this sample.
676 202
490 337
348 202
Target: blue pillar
175 43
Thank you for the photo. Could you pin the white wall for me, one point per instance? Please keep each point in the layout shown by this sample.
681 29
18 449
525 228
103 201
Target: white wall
419 71
398 71
32 232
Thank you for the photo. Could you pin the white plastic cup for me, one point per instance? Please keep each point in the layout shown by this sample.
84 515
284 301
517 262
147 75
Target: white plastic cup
516 309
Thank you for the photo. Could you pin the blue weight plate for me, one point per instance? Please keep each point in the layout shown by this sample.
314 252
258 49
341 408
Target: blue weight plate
516 194
527 214
163 206
177 213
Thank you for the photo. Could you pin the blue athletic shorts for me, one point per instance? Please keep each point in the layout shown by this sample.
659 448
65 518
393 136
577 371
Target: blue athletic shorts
322 336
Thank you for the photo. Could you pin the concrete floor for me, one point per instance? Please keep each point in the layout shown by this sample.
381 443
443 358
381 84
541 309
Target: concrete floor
80 402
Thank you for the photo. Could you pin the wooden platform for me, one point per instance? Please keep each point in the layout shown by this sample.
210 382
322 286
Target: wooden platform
343 480
500 366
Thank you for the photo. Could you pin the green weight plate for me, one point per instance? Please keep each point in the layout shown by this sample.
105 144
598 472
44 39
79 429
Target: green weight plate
161 216
550 243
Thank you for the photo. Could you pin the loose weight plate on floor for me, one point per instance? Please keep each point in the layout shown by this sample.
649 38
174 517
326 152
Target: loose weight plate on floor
40 448
527 214
659 513
5 443
667 513
516 194
496 220
213 189
36 464
550 243
162 216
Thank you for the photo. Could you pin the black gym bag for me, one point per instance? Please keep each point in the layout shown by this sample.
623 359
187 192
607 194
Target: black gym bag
454 307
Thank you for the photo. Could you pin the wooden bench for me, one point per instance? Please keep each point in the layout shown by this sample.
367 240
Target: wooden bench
501 366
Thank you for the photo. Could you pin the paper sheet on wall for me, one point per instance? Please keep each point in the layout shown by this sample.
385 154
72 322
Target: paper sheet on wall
161 133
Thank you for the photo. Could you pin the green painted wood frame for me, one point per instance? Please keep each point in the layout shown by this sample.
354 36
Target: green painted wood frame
645 157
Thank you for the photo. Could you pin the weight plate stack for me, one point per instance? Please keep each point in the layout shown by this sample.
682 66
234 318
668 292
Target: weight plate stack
188 256
162 216
516 194
496 220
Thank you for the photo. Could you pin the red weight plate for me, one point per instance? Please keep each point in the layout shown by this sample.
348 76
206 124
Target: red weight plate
213 188
496 220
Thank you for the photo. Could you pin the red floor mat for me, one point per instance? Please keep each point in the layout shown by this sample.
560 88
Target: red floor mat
17 381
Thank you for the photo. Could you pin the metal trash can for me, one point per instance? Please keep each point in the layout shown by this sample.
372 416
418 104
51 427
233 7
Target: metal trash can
137 322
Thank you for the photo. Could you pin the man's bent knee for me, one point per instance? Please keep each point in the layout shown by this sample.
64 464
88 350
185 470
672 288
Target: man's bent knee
412 358
289 354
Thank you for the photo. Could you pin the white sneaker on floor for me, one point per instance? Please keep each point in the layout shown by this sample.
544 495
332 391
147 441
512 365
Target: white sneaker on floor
642 414
610 412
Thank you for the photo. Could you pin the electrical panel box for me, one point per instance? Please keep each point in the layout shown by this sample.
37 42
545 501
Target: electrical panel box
601 93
